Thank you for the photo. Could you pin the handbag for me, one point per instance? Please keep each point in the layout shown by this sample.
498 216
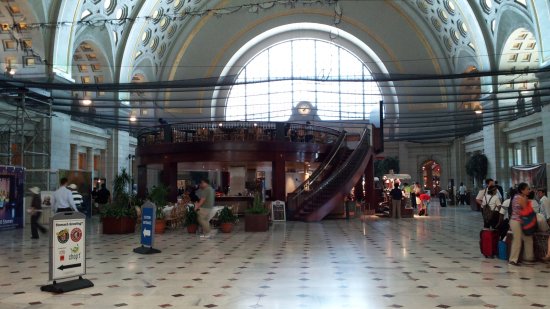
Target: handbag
528 220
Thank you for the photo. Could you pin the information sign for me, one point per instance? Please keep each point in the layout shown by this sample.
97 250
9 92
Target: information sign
67 252
68 248
147 232
147 225
278 211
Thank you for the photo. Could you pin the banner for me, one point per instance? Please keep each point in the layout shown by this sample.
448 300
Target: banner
534 175
12 179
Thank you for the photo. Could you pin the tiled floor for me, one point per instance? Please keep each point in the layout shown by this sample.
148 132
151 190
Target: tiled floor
426 262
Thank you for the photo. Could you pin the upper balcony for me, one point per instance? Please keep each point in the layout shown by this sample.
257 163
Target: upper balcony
234 141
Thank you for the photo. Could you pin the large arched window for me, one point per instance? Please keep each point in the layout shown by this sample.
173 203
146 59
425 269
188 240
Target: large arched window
331 78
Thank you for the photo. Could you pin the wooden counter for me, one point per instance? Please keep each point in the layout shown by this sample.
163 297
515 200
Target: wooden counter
238 203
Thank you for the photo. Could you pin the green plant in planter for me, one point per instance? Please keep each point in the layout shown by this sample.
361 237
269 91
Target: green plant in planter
226 216
158 196
191 217
121 205
257 206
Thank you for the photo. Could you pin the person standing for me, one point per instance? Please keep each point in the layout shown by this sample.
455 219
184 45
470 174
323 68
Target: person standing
396 197
103 197
482 195
77 197
407 190
443 194
204 206
63 200
500 190
36 212
417 191
544 203
462 193
518 203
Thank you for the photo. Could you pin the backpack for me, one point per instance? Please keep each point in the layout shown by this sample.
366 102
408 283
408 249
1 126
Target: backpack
490 216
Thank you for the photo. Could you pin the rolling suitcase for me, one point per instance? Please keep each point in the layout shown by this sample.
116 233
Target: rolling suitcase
502 250
488 243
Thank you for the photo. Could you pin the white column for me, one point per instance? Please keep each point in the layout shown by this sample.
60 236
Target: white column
90 159
74 157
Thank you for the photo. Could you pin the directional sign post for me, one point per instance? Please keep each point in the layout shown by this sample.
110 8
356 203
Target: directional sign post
148 218
67 252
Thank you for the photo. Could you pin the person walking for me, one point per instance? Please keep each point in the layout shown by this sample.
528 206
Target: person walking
36 212
63 200
462 193
518 203
396 197
204 206
77 197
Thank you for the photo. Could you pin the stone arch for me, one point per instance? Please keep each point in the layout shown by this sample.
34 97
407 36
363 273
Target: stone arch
300 30
511 18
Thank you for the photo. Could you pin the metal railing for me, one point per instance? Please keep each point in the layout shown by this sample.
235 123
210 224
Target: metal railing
320 173
335 180
237 131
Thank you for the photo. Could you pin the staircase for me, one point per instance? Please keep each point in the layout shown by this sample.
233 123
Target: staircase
331 182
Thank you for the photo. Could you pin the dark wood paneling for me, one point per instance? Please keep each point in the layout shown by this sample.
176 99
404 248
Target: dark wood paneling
230 152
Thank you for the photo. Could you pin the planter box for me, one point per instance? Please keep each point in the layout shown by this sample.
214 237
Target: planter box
123 225
256 223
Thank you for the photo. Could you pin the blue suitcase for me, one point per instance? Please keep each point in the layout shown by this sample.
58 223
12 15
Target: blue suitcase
502 250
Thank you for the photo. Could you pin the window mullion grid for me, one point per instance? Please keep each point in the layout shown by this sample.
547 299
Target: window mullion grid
292 71
363 92
245 96
268 85
339 84
316 83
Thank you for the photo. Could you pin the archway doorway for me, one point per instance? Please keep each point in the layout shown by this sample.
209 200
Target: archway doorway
431 176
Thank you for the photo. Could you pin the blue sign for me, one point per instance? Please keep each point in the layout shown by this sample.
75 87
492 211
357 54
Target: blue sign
147 225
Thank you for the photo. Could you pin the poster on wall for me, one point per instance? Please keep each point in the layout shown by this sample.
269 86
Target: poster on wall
534 175
11 197
83 182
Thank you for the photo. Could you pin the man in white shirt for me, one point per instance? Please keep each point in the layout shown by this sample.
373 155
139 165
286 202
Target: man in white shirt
482 196
462 193
544 203
63 200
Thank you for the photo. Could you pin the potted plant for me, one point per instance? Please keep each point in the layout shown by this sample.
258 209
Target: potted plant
158 196
119 217
476 167
256 219
191 220
227 219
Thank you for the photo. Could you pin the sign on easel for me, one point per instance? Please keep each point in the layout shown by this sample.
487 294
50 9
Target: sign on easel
278 211
67 253
148 218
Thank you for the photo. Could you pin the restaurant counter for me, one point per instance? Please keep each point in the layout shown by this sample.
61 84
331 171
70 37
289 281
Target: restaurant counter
238 203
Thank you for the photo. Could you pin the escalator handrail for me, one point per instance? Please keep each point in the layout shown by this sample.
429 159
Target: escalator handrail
340 142
350 164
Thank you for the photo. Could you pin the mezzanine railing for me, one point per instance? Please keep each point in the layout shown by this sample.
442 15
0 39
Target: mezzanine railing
192 132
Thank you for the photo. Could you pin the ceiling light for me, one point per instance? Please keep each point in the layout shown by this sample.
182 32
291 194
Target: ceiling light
133 118
478 111
87 102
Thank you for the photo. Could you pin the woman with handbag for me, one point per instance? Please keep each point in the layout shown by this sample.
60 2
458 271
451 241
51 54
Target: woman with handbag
520 208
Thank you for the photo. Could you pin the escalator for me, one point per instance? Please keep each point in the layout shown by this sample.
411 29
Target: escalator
331 182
